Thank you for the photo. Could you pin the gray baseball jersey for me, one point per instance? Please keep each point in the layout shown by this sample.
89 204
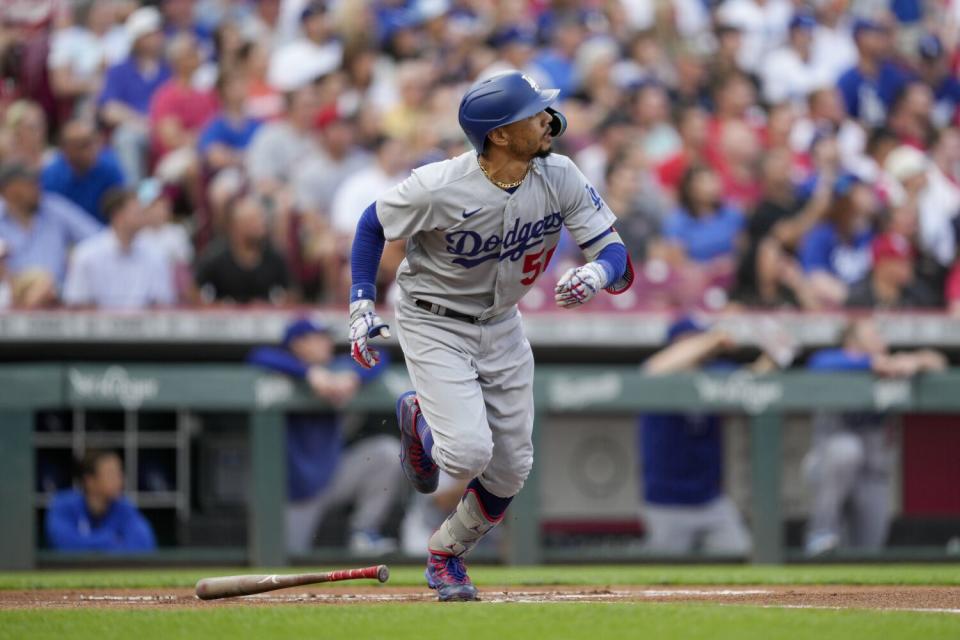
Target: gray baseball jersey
475 248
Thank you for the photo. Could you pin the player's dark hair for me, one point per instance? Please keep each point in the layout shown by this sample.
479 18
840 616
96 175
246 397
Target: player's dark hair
87 465
114 200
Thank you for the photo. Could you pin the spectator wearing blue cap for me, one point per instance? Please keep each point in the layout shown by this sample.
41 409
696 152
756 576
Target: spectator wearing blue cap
791 73
515 46
836 252
558 61
934 70
685 507
322 473
870 87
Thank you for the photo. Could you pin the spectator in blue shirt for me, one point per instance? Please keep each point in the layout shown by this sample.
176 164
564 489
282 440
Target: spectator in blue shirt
848 467
682 454
869 88
558 62
225 138
124 101
39 228
934 70
704 227
97 517
82 171
836 252
321 473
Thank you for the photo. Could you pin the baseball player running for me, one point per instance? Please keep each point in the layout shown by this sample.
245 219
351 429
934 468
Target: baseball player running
480 229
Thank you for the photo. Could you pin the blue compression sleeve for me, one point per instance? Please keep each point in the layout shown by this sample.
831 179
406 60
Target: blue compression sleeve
279 360
613 258
365 255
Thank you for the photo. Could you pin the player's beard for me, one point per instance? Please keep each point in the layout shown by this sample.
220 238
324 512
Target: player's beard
543 152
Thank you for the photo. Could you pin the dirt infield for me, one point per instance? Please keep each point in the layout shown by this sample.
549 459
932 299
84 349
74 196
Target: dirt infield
933 599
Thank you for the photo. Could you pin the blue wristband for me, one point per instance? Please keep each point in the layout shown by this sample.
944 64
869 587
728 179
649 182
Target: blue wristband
363 291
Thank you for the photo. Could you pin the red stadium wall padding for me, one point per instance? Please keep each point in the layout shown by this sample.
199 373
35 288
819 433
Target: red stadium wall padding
931 473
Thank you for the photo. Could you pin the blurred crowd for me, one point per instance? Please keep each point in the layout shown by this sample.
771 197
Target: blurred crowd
759 153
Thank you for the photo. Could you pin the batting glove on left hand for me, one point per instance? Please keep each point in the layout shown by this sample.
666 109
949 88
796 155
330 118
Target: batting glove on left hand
364 325
580 284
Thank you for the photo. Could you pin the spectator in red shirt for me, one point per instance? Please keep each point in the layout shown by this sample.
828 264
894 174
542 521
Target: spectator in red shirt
952 292
740 150
735 98
178 111
692 125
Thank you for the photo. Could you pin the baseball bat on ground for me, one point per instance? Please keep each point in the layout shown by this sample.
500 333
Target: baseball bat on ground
230 586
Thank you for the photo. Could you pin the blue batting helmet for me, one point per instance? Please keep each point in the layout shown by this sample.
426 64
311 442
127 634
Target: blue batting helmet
504 98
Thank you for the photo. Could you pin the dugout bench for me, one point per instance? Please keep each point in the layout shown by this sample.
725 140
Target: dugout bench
608 390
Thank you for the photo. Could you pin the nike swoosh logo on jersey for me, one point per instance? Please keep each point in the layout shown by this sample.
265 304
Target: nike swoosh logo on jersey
467 214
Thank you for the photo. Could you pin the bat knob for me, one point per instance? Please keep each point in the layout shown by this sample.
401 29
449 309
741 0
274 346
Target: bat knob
383 573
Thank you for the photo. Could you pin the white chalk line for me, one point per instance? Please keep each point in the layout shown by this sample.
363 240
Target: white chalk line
836 608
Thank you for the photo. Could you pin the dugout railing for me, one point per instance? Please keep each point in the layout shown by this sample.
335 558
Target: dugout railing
26 389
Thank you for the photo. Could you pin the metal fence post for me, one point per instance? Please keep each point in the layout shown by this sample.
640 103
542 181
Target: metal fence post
765 471
268 491
17 544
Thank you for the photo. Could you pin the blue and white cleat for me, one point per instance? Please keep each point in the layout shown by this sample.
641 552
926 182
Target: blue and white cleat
423 474
448 575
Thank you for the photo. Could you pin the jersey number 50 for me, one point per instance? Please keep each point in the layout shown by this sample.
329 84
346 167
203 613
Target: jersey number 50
534 266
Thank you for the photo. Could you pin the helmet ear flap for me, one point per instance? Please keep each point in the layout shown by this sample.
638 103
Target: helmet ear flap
558 122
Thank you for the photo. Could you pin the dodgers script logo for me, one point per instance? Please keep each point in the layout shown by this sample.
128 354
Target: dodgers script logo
473 249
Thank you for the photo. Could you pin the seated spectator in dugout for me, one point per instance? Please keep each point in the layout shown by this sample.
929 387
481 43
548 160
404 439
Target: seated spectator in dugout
682 455
848 468
322 473
115 269
96 516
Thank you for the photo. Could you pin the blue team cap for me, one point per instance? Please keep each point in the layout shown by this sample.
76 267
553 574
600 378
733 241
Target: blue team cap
803 21
316 7
865 24
930 47
683 325
844 184
513 34
302 327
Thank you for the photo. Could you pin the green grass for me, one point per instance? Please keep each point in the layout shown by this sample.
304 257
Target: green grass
467 621
941 574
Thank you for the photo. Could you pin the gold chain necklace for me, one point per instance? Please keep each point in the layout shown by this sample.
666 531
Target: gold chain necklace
503 185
